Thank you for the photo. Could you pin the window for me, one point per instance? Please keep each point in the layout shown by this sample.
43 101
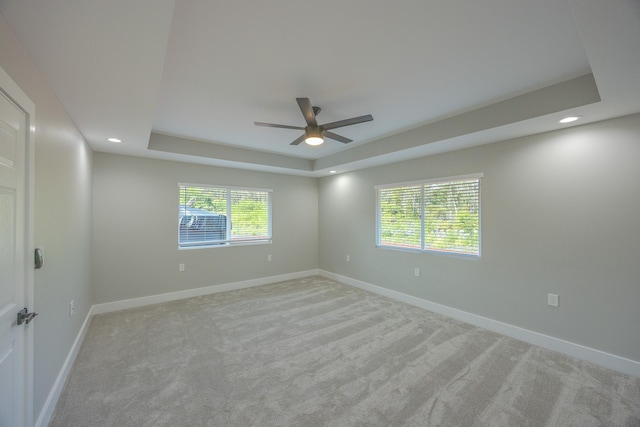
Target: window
216 215
437 215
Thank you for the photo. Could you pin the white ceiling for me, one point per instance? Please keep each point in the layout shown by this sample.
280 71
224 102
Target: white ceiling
186 79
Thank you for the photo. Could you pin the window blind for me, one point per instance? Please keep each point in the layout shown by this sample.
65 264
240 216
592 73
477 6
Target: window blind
218 215
435 215
451 216
400 216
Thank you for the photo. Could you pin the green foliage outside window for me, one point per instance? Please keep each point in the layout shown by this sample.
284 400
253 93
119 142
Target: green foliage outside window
451 216
249 213
249 209
400 216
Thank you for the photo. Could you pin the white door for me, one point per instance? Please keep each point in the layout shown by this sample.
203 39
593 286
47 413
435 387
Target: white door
12 262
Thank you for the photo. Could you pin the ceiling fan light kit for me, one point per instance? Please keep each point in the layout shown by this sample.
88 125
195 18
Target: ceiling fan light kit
314 134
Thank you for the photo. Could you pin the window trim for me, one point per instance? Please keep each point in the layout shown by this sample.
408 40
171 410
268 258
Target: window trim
229 243
422 183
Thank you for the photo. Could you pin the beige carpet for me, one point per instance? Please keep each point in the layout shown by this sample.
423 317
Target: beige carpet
313 352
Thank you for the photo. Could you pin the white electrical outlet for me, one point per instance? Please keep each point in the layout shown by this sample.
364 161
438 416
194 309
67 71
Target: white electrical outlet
416 272
552 300
181 267
269 257
348 258
71 308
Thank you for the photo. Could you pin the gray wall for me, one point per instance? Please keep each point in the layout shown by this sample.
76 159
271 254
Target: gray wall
135 251
560 214
62 218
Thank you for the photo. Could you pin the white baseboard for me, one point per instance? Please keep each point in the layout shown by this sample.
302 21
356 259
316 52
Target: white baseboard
52 399
597 357
196 292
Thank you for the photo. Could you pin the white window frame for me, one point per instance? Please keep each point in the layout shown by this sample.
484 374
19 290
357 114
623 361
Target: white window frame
229 241
422 184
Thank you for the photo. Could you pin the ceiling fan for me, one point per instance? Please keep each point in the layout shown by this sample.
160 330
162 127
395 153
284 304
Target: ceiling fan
314 133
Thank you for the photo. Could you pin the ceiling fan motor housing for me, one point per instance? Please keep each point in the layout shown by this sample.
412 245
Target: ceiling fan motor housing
313 131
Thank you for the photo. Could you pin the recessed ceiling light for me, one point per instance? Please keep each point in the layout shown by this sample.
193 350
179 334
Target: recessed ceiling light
114 140
333 171
570 119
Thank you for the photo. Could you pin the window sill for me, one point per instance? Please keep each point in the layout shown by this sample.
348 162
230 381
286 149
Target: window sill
459 255
224 245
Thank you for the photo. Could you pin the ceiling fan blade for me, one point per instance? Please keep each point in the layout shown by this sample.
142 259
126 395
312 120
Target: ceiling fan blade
347 122
273 125
298 140
307 111
337 137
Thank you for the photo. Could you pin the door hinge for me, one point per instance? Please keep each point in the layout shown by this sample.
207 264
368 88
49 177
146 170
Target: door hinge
25 317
